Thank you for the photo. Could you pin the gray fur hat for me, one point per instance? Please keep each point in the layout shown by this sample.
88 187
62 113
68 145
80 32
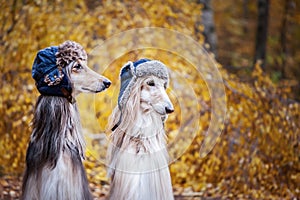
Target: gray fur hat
131 71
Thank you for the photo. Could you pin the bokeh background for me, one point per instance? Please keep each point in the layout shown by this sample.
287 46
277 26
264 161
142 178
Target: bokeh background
255 44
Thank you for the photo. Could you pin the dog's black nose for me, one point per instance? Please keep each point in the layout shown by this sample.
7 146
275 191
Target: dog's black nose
169 110
106 83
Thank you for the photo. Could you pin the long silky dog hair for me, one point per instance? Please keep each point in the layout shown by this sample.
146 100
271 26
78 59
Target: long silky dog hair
54 168
137 155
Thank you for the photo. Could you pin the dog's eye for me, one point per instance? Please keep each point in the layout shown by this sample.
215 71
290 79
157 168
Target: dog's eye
77 67
151 83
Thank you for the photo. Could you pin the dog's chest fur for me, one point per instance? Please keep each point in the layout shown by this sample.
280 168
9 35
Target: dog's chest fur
141 162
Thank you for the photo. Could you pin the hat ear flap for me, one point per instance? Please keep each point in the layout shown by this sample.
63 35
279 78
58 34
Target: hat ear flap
126 75
127 70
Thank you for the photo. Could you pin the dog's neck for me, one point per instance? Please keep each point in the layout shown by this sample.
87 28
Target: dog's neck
56 128
147 125
141 146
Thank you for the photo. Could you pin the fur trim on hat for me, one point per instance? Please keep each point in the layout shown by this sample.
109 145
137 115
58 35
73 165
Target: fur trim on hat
153 67
68 52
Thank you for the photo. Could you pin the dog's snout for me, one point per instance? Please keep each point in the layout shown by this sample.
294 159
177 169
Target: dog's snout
106 83
169 109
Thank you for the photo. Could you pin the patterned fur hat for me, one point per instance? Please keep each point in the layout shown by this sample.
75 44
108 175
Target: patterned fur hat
49 68
131 71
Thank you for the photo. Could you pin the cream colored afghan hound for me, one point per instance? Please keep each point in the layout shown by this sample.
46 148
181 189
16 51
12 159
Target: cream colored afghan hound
54 169
137 156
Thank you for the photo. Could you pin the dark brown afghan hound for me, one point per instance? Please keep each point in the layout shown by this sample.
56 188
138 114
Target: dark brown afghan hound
54 169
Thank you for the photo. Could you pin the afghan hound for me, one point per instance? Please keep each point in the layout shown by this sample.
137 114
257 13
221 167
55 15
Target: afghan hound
54 169
137 155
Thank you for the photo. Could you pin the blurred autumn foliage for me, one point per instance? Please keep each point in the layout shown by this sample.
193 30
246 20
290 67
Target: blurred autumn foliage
236 27
257 155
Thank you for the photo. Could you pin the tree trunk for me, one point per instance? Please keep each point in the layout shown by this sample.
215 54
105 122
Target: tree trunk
246 15
262 32
207 19
289 4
